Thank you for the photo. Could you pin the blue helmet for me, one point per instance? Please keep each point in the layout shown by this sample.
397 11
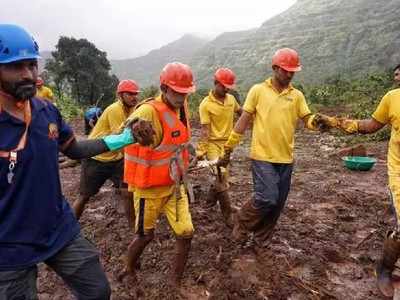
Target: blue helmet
16 44
93 113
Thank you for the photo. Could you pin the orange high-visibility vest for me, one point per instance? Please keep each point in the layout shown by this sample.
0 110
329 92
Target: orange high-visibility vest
163 165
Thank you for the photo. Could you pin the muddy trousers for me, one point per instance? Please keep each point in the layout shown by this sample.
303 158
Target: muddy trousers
271 188
77 264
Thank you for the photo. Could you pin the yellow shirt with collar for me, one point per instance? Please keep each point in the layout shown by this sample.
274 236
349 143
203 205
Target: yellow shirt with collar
110 122
45 93
388 112
219 115
275 119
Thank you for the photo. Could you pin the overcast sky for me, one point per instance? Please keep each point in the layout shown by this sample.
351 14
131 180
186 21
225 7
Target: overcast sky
126 28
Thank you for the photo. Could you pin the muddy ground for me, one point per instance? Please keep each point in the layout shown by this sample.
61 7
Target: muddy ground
325 244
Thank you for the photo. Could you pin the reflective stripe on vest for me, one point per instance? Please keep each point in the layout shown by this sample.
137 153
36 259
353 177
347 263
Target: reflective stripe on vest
148 163
165 164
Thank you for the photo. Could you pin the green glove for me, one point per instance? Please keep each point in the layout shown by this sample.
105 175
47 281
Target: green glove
118 141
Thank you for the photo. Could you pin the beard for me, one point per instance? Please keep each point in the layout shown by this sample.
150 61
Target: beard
22 90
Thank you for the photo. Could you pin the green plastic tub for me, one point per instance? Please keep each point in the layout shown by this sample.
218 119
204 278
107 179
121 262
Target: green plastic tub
359 163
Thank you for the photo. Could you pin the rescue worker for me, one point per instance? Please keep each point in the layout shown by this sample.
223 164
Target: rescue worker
387 113
43 91
156 172
91 116
275 107
36 222
96 170
217 112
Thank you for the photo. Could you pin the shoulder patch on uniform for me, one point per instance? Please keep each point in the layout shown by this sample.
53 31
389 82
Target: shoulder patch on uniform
53 131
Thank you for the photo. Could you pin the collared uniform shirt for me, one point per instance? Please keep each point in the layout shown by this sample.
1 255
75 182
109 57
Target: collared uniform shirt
35 219
219 115
45 93
110 122
388 112
275 119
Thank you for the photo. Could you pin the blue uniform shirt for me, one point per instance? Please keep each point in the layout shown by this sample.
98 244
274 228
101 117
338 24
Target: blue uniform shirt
35 219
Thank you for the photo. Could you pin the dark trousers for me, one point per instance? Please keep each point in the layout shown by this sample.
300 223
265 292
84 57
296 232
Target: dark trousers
77 264
95 173
271 187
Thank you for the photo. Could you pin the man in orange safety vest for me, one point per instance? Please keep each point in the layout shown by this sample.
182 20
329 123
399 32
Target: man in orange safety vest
156 169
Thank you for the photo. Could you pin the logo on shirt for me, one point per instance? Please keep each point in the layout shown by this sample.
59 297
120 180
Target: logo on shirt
288 98
53 131
176 133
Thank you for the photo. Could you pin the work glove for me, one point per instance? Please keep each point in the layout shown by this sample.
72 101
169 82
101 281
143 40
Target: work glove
225 159
347 125
118 141
142 131
324 122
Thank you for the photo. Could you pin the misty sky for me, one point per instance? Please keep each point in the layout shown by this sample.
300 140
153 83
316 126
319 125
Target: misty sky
126 28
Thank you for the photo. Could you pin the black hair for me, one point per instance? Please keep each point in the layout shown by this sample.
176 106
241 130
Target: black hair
396 67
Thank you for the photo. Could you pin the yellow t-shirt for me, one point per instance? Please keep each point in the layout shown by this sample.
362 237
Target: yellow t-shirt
45 93
110 122
275 119
388 112
148 113
219 115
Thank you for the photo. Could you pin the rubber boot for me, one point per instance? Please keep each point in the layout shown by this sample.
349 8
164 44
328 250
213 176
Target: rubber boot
226 209
182 248
211 199
385 267
135 250
263 235
247 219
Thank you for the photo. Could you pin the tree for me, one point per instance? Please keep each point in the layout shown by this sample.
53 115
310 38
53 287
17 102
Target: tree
79 68
149 92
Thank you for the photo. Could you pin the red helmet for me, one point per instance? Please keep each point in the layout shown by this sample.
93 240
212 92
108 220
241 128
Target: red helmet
226 77
178 77
39 81
288 59
129 86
